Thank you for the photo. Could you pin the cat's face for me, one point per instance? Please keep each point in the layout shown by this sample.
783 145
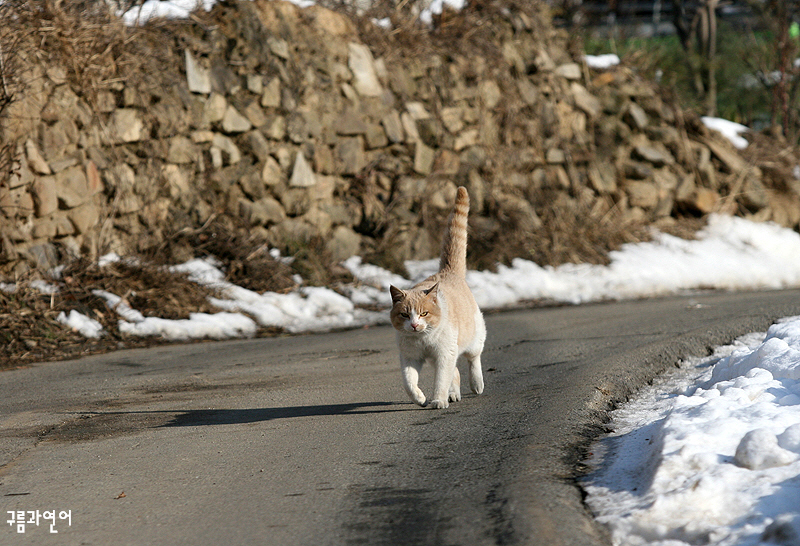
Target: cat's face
415 311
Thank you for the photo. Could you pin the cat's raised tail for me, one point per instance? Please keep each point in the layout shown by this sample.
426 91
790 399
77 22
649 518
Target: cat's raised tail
454 244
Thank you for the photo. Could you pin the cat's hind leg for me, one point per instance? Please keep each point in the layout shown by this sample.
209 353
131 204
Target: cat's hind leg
473 354
409 370
455 387
475 373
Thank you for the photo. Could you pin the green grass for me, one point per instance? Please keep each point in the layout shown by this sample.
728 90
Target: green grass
739 55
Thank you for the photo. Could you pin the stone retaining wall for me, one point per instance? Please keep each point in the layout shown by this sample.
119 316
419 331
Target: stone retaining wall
283 121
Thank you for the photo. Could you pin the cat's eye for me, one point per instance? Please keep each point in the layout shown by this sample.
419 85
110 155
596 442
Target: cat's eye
404 315
424 314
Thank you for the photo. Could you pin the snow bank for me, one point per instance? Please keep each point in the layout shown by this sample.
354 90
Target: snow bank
197 326
717 463
730 253
309 309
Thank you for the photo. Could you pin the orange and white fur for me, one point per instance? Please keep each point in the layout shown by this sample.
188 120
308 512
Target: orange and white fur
438 321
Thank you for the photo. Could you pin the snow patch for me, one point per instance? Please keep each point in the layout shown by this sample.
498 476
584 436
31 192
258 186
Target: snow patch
729 129
87 327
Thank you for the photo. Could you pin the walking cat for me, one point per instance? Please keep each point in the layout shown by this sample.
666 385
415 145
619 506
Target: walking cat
437 321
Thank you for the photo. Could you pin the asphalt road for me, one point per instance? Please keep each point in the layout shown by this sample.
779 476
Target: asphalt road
310 440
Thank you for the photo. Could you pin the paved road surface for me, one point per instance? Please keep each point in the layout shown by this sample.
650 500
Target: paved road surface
310 440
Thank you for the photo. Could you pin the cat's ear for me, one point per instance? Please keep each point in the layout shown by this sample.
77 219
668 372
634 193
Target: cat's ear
432 291
397 294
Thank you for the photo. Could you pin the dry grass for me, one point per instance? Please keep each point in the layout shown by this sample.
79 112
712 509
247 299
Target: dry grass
29 331
469 31
84 38
246 260
153 290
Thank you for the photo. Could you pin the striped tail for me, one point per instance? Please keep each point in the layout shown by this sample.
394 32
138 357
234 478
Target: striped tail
454 245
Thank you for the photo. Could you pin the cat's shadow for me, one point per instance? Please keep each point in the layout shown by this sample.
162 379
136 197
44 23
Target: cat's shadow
207 417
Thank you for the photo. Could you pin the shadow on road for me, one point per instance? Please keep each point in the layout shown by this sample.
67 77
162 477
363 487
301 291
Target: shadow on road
91 425
242 416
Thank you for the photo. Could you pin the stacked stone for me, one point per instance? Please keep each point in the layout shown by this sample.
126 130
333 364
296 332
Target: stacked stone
281 118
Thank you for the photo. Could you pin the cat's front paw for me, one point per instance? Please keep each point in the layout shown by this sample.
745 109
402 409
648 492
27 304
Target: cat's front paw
455 396
419 398
438 404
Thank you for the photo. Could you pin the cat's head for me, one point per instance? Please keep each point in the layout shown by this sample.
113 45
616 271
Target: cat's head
415 311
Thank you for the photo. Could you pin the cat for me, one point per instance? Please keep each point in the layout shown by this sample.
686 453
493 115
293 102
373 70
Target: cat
438 320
